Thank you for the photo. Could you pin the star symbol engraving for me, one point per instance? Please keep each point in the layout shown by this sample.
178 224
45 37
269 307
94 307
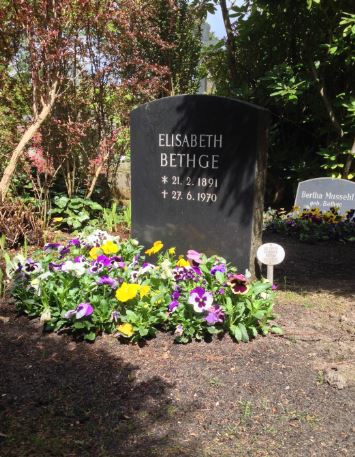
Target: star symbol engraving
164 179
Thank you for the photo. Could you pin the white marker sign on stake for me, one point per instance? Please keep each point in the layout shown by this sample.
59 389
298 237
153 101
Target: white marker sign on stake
270 254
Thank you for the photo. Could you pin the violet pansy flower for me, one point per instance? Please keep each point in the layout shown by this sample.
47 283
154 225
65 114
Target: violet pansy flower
221 267
79 259
194 256
75 242
31 267
103 260
51 246
146 267
55 266
200 299
172 305
115 316
116 262
179 330
215 315
63 250
82 310
175 294
107 281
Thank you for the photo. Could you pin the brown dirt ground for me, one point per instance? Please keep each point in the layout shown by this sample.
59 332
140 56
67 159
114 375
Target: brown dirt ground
276 396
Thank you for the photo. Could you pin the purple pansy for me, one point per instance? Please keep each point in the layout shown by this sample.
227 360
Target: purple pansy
96 267
115 316
172 305
179 330
221 267
80 259
194 256
200 299
75 242
104 260
107 281
186 273
215 315
55 266
31 267
116 262
63 250
175 294
82 310
146 267
51 246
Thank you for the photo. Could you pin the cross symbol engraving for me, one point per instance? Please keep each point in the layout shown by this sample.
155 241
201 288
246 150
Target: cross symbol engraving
164 180
165 193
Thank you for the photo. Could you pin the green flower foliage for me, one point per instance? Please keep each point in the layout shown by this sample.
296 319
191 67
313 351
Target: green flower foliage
97 284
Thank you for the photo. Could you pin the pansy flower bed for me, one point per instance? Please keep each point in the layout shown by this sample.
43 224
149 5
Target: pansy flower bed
100 284
313 224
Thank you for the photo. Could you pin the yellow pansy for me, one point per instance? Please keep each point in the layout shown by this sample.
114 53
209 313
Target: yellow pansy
94 253
144 290
110 247
127 292
182 263
58 219
171 251
157 246
125 329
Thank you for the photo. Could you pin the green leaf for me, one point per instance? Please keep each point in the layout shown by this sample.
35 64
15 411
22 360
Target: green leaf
276 330
243 330
213 330
261 287
90 336
220 277
236 332
131 315
61 202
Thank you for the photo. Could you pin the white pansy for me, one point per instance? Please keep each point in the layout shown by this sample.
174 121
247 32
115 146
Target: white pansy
68 266
77 268
166 271
35 284
45 316
44 275
264 295
247 274
98 237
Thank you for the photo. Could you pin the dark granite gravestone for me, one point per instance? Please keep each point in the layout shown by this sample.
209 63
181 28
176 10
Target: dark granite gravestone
325 193
198 173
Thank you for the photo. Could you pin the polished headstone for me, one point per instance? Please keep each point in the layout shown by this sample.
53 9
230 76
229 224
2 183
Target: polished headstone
325 193
198 168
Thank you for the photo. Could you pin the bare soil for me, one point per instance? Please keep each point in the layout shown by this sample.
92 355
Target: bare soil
275 396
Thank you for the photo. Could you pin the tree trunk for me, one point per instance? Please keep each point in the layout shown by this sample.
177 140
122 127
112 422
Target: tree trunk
27 136
349 161
327 104
96 176
231 51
